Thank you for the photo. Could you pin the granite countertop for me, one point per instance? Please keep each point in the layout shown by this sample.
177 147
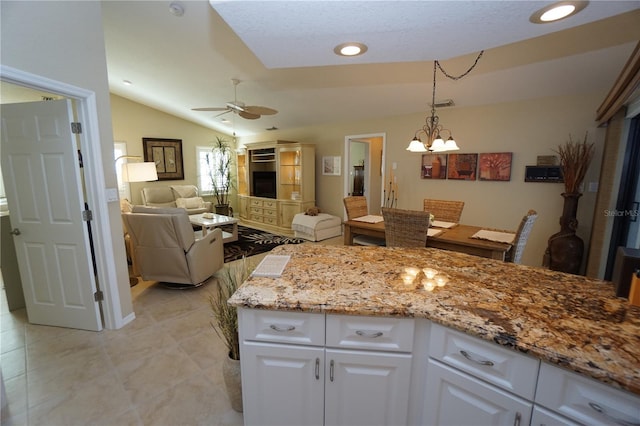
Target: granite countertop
567 320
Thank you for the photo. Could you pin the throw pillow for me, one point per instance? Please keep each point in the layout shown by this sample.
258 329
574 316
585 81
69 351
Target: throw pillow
190 203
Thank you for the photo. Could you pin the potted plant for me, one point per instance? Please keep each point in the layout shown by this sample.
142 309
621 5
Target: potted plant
230 277
219 163
565 249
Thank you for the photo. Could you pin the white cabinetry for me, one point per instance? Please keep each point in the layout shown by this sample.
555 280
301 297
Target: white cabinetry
290 376
472 382
585 400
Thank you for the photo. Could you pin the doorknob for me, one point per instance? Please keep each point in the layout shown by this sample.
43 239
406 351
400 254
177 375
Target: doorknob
15 231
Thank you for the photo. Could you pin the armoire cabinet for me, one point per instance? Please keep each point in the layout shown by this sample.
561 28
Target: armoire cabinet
276 180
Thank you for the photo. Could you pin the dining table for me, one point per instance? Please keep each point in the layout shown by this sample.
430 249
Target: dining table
456 238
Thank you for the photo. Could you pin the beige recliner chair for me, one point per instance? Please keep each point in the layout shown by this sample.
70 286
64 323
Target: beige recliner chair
165 247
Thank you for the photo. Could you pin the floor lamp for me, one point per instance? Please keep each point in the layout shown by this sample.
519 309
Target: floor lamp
136 172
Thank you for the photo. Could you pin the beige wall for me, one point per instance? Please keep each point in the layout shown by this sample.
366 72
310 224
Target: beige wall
527 129
133 121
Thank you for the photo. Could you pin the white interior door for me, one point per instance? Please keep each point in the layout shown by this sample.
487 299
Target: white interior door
44 194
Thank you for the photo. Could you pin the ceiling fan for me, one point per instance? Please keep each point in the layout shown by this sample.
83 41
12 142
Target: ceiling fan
250 112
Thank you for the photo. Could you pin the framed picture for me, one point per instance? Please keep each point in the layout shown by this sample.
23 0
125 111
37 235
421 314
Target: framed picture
167 154
495 166
434 166
331 166
462 166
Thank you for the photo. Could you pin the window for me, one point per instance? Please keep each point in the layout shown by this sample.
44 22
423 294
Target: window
206 156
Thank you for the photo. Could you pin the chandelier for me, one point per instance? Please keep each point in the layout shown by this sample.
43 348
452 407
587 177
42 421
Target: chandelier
432 128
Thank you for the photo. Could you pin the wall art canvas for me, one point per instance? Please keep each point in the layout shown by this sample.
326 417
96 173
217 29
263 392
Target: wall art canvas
167 155
495 166
434 166
462 166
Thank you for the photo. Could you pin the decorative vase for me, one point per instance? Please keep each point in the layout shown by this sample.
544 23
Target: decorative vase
565 248
233 382
222 209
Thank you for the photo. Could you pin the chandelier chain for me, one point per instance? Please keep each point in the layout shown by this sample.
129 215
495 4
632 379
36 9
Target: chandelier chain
453 77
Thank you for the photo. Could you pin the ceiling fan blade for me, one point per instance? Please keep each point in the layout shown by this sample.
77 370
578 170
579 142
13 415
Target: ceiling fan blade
248 115
222 113
260 110
210 109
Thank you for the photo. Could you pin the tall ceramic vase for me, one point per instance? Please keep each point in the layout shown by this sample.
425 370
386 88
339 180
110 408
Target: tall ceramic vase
233 382
565 248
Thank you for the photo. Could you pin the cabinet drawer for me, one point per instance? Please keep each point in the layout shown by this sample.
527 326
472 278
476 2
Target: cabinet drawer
256 210
269 204
508 369
256 203
255 217
282 327
270 220
270 213
377 333
584 399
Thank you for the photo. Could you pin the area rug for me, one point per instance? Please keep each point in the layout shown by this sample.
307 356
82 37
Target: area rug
254 241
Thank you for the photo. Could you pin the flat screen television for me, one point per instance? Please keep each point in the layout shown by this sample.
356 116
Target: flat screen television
264 184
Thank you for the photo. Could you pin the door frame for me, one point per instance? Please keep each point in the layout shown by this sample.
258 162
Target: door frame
364 138
96 196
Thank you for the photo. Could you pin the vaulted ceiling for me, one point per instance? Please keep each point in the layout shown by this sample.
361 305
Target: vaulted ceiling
282 51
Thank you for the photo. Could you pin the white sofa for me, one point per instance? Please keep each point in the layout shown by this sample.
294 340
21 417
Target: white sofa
184 196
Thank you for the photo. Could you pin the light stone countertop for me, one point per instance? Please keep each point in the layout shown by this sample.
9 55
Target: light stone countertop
567 320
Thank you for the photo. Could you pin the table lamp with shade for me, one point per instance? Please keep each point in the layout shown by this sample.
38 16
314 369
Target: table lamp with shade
136 172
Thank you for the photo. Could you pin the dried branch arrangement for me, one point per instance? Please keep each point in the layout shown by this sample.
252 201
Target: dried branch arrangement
575 158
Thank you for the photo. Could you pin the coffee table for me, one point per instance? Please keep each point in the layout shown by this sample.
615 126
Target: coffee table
214 221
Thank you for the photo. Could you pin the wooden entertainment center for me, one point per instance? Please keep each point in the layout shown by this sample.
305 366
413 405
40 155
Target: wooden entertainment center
276 180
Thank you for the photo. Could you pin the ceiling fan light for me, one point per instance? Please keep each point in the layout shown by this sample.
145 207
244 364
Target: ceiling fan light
416 146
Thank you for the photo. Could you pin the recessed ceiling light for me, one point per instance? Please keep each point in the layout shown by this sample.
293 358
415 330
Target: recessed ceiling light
225 120
557 11
350 49
176 8
127 83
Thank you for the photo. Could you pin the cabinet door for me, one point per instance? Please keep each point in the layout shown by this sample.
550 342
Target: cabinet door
243 205
287 211
282 384
457 399
366 388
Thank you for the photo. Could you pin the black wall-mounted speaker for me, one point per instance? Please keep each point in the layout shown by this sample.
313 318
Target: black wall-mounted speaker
543 174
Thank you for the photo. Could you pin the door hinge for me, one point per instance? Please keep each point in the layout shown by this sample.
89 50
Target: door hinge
98 296
87 215
76 128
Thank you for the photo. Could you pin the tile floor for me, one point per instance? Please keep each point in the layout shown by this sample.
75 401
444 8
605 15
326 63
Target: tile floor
164 368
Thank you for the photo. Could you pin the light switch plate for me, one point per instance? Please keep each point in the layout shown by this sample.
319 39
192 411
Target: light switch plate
112 195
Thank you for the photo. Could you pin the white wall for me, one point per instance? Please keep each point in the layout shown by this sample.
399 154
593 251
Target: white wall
527 129
64 41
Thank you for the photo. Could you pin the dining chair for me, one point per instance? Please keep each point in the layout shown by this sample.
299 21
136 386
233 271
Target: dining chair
405 228
356 206
444 210
522 235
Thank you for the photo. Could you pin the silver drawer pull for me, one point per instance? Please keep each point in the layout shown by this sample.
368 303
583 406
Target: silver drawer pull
477 361
603 411
517 419
282 329
369 334
317 369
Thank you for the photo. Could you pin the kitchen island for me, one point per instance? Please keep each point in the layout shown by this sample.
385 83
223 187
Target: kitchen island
549 318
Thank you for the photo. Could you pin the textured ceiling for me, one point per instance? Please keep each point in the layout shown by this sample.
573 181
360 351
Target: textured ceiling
283 54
